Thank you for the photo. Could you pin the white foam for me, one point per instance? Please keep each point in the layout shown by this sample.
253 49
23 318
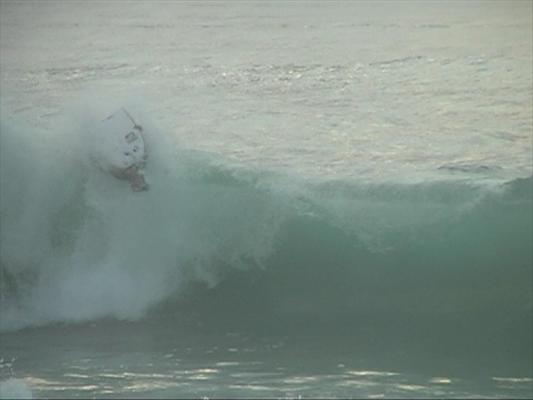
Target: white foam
15 389
81 245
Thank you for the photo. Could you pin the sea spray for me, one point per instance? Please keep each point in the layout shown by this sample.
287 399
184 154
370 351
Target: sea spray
77 244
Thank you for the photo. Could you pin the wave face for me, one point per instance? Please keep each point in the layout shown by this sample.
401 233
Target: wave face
438 269
434 263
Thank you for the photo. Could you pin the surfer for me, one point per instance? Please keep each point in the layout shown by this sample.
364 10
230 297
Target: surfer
133 174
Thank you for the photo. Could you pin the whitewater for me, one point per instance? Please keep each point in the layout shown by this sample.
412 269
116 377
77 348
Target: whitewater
340 200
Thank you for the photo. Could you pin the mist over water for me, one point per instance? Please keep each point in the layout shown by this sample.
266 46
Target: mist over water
340 202
99 251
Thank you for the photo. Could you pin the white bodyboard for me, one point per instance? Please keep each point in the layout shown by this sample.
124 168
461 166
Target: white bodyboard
119 147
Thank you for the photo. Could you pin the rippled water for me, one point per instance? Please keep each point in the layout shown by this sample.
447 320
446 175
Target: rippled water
346 90
108 360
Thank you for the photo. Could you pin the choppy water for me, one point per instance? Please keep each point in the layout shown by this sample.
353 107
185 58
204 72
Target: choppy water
340 202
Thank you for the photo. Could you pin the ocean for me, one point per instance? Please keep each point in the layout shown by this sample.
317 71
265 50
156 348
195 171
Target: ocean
340 200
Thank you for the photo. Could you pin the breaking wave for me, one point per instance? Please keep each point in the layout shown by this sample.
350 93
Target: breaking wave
252 248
